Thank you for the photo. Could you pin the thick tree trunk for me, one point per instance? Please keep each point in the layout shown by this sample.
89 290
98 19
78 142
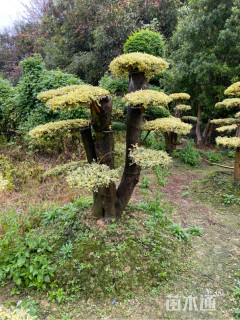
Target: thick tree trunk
131 171
171 142
104 198
137 81
131 174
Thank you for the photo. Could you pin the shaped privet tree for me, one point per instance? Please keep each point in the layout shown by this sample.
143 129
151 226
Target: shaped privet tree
99 175
171 127
231 125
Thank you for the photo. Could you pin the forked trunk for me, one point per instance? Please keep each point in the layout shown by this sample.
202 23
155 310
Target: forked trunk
109 203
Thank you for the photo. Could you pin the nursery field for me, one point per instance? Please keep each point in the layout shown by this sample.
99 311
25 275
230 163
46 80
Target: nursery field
176 245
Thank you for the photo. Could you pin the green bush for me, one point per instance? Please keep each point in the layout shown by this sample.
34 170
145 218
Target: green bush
24 256
189 154
7 116
114 84
145 41
153 113
35 78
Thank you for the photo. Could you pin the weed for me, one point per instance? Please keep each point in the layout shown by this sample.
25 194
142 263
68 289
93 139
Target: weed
145 183
229 199
188 154
179 232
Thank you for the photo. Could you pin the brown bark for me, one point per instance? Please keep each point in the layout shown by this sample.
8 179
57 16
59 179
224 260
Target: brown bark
237 161
88 143
137 81
104 198
177 112
171 142
108 202
131 171
198 127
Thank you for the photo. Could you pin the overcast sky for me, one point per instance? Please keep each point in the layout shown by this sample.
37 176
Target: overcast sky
9 11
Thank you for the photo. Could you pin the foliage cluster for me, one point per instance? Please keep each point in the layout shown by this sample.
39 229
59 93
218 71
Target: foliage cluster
145 41
21 109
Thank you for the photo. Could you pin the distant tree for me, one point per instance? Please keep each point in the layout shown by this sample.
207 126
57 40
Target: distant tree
231 125
205 51
83 36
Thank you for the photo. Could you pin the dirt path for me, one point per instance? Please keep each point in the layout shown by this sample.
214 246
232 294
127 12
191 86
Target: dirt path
215 256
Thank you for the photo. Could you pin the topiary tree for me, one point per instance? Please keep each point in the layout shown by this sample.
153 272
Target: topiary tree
145 41
170 127
179 107
231 125
99 175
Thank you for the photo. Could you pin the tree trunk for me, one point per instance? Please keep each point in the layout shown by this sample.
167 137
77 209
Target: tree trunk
131 174
198 127
137 81
104 198
109 203
171 142
237 161
88 143
177 112
131 171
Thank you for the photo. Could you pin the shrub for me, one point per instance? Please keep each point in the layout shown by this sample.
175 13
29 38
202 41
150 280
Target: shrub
35 78
114 84
7 116
145 41
153 113
189 154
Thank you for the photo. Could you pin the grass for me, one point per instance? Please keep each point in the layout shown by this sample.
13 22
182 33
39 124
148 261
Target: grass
120 270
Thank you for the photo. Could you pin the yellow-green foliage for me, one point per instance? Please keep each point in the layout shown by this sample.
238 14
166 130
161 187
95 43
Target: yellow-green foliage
147 97
65 98
183 107
3 184
189 118
165 125
227 128
180 95
14 314
227 103
237 115
147 158
54 128
233 142
92 176
63 169
46 95
233 90
126 63
225 121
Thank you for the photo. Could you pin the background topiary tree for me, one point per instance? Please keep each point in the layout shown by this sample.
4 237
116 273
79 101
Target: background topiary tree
145 41
99 175
231 125
170 127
